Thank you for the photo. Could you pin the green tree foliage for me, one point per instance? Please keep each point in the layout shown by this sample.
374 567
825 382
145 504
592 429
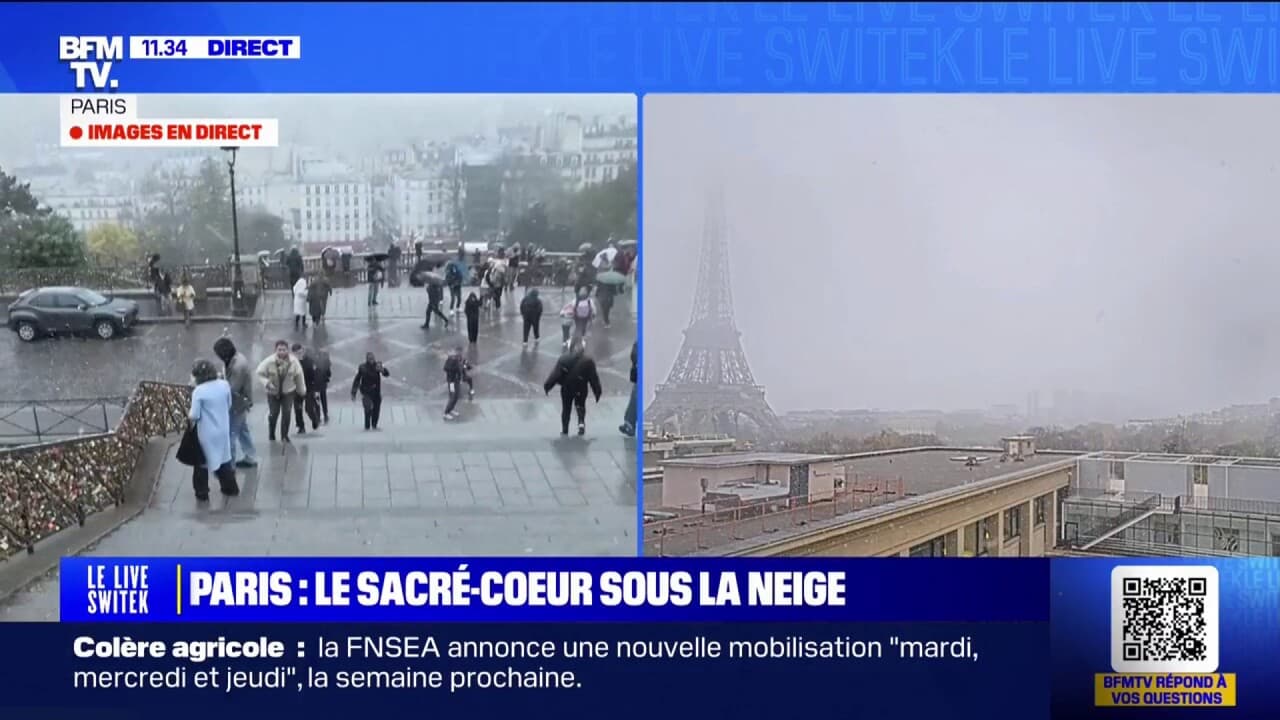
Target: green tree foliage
31 235
564 222
260 230
113 243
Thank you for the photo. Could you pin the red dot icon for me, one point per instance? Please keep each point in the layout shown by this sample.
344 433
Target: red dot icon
76 132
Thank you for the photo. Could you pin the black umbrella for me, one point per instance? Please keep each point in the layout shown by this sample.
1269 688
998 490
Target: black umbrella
376 257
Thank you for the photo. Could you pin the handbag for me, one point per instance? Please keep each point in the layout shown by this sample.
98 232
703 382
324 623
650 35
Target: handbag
189 451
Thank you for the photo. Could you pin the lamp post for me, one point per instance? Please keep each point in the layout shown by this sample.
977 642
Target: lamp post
237 279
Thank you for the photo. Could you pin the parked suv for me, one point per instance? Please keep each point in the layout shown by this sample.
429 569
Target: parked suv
70 310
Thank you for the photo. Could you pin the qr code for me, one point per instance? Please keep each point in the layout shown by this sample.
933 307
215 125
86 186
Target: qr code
1164 618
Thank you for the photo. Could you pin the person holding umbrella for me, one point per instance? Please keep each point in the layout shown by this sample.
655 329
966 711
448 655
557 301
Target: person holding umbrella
375 275
435 295
607 288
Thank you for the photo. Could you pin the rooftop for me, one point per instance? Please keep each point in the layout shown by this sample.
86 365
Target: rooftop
928 470
723 460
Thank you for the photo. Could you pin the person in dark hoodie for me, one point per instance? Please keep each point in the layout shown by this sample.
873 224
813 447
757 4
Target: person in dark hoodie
531 311
308 403
628 426
435 296
456 372
239 375
295 266
472 310
575 373
368 384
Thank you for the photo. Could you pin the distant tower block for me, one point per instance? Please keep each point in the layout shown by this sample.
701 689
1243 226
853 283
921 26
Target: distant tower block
710 388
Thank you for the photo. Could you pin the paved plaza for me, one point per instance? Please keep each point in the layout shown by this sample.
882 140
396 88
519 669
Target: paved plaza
499 481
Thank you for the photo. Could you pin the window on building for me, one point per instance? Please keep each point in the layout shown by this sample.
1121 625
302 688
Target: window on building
1200 474
1040 508
1275 544
1117 469
1226 539
1013 523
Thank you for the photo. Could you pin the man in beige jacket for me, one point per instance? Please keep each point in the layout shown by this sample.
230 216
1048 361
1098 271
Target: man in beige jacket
281 374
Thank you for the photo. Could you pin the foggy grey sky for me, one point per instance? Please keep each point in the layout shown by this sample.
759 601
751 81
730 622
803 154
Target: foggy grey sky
353 123
936 251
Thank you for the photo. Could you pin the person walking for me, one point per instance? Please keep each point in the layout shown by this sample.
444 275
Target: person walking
294 264
435 296
300 293
472 311
185 298
531 311
575 373
281 375
211 414
239 376
306 402
605 294
583 312
318 293
375 280
566 322
455 273
628 426
164 292
324 373
368 384
456 372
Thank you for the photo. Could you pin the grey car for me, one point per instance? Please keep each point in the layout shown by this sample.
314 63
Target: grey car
70 310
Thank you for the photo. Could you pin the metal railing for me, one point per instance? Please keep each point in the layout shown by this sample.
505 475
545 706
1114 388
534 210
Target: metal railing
52 486
548 269
30 422
695 531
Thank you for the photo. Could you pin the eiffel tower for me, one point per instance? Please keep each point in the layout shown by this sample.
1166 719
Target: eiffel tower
710 388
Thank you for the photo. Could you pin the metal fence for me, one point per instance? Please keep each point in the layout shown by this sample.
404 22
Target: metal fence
30 422
694 531
49 487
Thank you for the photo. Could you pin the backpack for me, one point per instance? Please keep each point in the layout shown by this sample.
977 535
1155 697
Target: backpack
452 274
583 309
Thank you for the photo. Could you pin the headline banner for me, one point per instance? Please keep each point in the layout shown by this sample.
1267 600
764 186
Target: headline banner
564 589
549 670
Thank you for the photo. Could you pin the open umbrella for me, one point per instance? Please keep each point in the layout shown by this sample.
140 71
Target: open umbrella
585 247
427 277
627 243
610 277
376 257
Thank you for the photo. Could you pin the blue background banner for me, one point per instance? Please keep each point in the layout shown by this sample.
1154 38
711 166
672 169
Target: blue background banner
1249 627
877 590
673 47
1010 669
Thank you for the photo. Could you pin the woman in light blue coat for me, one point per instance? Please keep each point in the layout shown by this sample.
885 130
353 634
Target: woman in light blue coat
211 415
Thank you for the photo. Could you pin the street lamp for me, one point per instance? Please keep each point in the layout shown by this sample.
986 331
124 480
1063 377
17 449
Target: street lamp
237 280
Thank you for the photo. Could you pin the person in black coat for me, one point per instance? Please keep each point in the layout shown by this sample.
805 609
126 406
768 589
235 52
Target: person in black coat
368 384
294 264
531 311
435 296
472 310
628 426
456 372
575 373
307 403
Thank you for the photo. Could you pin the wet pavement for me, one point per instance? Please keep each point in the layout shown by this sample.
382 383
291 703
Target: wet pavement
500 481
88 367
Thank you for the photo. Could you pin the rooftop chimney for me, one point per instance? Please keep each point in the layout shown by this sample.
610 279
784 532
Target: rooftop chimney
1019 447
